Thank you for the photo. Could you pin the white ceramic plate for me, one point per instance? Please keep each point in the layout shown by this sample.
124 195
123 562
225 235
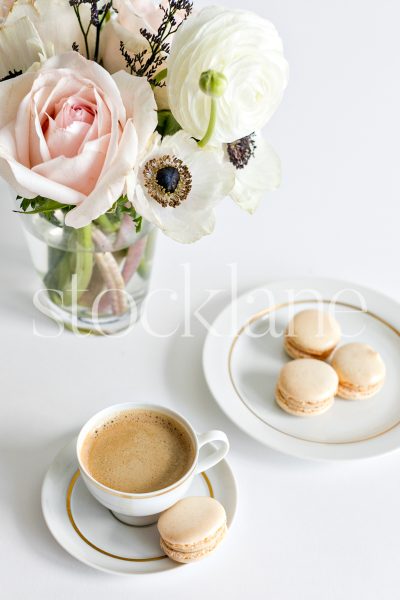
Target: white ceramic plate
89 531
243 355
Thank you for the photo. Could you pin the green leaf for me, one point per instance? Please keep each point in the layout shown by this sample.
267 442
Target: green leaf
123 206
25 204
39 205
161 75
108 223
167 124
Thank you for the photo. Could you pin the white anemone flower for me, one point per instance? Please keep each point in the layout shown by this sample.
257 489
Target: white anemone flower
257 170
179 185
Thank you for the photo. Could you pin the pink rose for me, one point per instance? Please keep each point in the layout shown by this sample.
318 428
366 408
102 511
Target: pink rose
72 133
125 26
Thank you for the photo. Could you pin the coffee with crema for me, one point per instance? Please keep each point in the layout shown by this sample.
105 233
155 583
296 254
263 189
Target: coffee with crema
138 451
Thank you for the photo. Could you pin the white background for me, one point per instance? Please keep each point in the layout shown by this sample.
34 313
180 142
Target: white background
303 530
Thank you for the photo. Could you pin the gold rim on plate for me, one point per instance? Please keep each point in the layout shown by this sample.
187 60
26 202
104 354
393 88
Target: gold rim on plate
70 490
276 307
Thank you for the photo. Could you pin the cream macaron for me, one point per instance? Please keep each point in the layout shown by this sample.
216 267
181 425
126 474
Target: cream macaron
192 528
361 371
312 334
306 387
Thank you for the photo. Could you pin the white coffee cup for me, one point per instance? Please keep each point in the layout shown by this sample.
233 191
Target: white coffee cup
143 509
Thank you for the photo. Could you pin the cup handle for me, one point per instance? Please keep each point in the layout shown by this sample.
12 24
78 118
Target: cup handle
219 453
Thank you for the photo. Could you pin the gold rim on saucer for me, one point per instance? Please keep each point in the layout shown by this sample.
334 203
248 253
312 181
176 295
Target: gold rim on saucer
276 307
70 490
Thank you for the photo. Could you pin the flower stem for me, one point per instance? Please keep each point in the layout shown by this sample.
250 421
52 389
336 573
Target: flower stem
133 259
84 258
97 47
76 261
84 33
105 224
98 31
211 124
160 76
114 283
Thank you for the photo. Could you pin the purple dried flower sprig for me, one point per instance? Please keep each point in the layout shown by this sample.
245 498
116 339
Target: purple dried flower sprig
147 62
98 14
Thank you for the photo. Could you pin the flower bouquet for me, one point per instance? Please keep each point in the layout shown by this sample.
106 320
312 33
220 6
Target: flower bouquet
122 117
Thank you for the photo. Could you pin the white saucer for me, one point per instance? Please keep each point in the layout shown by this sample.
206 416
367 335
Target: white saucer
89 531
243 355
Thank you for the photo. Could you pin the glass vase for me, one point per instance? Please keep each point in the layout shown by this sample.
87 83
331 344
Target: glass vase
94 279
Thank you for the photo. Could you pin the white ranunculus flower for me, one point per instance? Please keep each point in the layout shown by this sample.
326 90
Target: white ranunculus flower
248 51
179 185
32 30
257 170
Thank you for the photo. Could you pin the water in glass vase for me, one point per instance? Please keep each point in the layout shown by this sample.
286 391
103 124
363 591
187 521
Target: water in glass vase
95 278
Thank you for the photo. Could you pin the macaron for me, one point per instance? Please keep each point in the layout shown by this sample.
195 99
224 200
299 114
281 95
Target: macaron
361 371
192 528
306 387
312 334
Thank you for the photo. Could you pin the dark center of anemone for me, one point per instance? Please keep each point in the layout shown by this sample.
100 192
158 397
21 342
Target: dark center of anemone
168 178
241 151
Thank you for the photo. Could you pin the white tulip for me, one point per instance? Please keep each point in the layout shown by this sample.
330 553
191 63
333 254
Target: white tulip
244 48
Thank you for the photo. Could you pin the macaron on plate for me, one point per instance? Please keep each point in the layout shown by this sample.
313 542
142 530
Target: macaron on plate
353 415
192 529
90 533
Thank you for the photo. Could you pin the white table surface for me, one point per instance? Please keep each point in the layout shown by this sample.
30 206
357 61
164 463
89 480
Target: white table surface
303 530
